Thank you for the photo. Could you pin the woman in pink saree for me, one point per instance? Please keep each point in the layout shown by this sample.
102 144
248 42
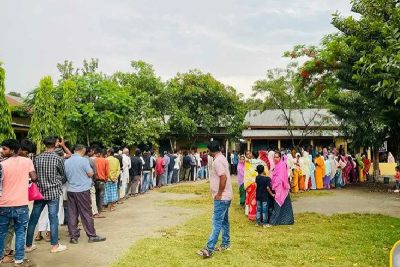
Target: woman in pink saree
282 213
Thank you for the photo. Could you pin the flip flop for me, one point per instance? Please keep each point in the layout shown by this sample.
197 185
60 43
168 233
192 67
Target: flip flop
60 248
98 216
32 248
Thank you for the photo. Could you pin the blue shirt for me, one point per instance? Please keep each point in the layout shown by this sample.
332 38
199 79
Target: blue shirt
76 170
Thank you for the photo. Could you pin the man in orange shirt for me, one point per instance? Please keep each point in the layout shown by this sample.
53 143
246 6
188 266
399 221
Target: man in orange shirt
102 174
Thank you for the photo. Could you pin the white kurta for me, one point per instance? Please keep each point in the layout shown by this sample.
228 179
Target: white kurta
126 165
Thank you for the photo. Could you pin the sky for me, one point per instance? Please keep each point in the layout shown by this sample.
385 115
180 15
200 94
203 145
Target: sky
235 40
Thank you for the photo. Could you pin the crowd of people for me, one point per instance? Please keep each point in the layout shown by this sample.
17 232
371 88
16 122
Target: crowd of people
298 170
88 183
78 186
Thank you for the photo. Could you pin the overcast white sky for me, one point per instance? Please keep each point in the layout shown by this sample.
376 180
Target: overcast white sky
235 40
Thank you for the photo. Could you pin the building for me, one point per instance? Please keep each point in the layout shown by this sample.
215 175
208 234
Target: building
20 121
276 129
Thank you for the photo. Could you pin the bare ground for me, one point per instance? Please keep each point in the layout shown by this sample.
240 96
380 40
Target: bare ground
138 218
353 199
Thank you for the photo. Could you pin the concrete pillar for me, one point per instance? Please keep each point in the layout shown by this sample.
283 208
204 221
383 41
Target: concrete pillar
248 144
226 148
279 144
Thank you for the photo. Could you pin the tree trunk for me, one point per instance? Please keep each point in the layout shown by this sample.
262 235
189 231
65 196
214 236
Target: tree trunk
171 144
87 138
375 166
38 147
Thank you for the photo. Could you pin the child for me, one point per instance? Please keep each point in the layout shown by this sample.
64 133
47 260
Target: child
397 177
263 190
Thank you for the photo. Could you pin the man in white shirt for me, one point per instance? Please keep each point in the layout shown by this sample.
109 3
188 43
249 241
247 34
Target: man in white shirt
126 165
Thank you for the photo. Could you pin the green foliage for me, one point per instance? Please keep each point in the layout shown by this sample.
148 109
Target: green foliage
133 108
67 112
6 130
361 61
283 90
12 93
200 101
44 120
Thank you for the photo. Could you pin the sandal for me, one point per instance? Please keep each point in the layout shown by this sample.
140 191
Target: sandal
223 248
204 253
48 237
39 238
7 259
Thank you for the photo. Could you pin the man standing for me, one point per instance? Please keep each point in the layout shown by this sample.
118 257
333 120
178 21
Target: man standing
89 155
193 165
204 164
111 188
177 167
50 171
221 191
171 166
14 176
167 160
146 172
186 166
135 172
126 165
102 173
79 175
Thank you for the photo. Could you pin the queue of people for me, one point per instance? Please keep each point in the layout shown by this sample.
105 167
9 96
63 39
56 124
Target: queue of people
265 179
79 186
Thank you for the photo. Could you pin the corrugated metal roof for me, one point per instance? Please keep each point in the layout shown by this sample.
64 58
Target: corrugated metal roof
14 100
299 118
285 133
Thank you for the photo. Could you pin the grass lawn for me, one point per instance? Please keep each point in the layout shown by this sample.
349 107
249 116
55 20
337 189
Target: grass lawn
314 240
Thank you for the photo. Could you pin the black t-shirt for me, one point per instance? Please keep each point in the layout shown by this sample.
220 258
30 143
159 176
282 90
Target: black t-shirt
262 184
171 162
186 162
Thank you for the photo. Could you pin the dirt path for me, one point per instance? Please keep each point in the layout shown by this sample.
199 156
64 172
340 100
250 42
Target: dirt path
350 200
138 218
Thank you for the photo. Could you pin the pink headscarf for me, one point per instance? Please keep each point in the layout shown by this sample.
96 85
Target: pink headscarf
271 159
240 173
280 182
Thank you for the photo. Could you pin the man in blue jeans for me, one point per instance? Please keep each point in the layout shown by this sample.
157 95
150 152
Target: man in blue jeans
50 171
221 191
14 177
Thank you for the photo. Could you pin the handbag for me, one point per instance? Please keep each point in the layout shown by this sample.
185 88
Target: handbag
34 193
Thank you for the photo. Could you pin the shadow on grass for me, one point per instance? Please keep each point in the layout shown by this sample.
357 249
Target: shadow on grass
314 239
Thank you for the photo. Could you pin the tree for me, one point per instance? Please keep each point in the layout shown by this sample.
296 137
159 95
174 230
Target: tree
282 91
12 93
6 130
67 112
201 103
147 122
44 120
360 60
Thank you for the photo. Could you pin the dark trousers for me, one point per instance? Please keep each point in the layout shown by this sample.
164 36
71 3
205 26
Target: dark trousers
100 195
80 204
185 174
